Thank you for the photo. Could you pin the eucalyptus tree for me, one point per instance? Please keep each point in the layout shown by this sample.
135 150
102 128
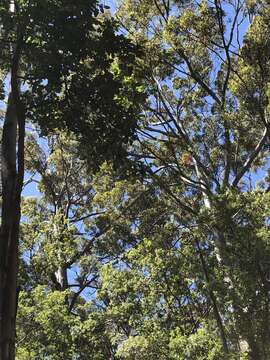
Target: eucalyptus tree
78 222
59 257
148 269
58 59
204 141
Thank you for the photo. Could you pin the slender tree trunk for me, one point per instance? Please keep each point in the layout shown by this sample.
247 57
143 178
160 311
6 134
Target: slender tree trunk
12 159
7 256
9 233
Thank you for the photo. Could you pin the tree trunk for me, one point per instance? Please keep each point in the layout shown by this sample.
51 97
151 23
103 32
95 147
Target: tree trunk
9 234
12 181
12 171
61 278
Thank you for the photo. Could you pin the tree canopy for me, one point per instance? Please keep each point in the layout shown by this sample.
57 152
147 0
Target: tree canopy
143 215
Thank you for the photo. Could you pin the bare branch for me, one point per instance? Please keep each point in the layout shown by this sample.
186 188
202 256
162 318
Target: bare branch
252 157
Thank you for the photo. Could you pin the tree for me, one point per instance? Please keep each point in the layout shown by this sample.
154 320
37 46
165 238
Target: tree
59 259
75 226
59 58
176 247
204 134
152 295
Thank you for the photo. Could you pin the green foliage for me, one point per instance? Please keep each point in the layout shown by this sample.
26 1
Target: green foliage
67 54
44 318
171 261
203 345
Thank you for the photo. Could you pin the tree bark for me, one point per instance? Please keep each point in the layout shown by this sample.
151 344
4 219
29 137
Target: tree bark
12 158
12 171
9 234
12 180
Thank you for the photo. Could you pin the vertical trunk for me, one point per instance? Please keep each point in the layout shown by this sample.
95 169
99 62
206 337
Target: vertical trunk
12 180
12 158
9 233
61 277
61 272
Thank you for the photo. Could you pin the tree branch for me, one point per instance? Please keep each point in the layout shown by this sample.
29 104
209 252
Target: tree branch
252 157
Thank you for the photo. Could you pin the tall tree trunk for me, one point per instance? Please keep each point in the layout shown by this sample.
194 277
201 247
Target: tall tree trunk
12 180
8 261
12 158
11 191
